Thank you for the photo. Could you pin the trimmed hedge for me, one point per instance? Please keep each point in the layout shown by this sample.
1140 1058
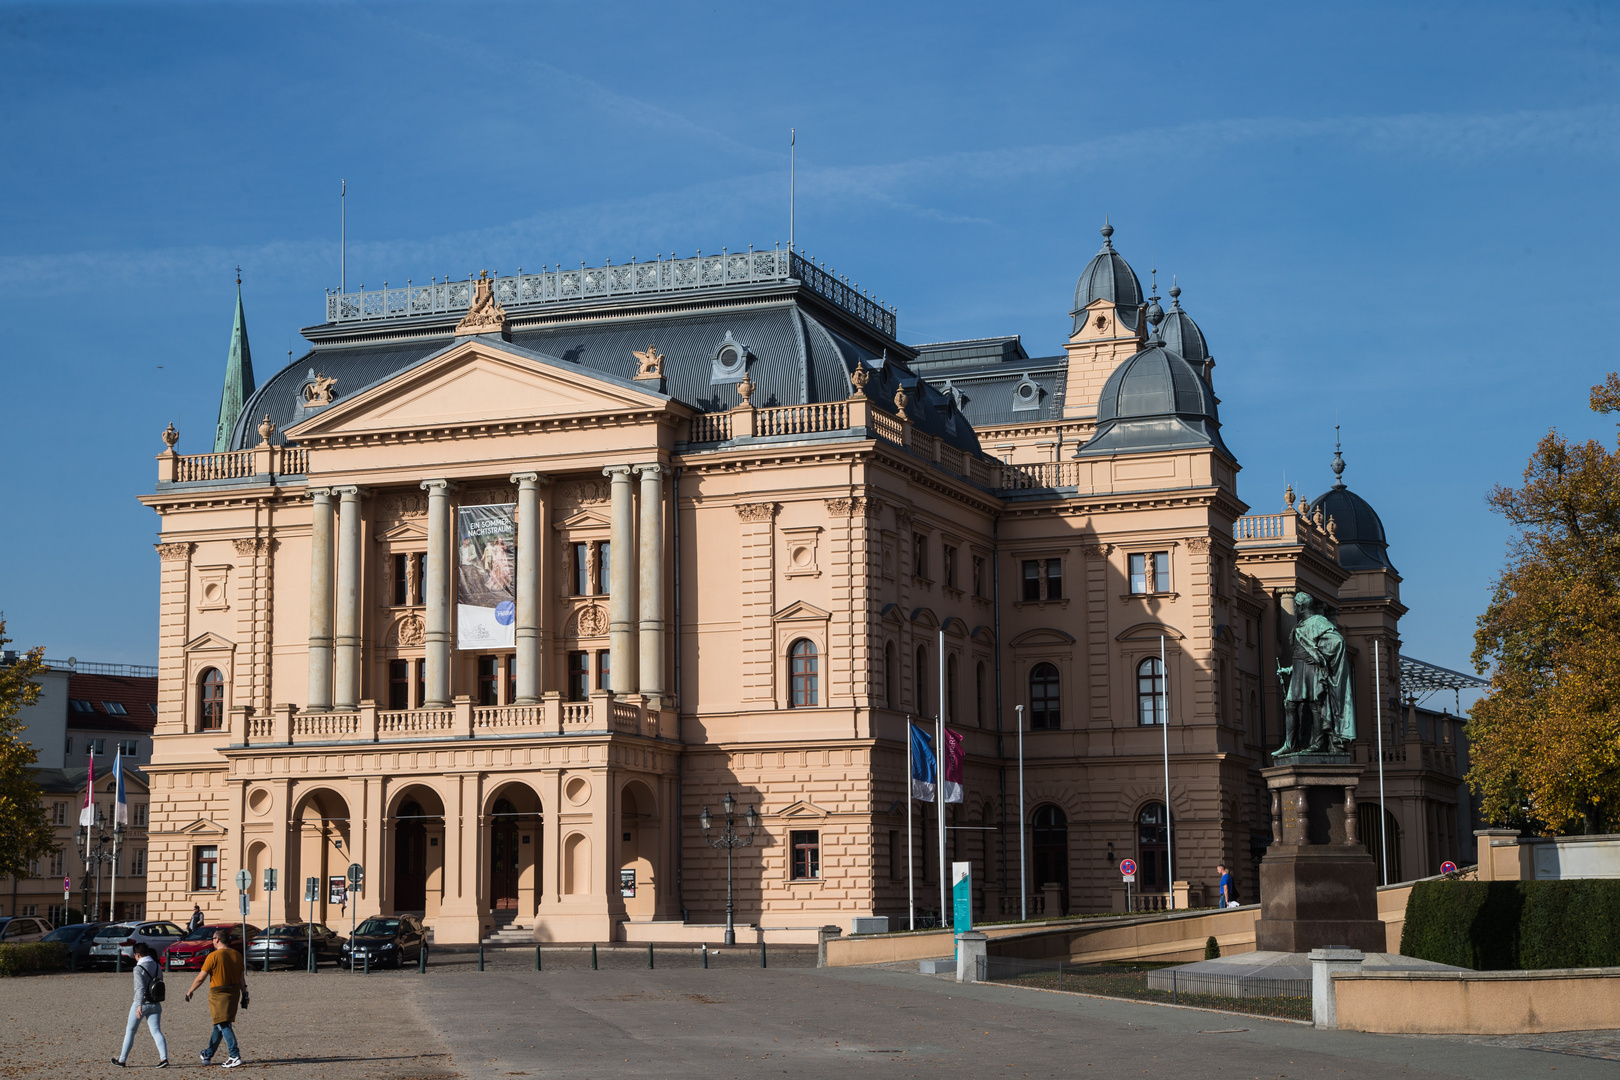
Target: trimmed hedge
1514 925
31 957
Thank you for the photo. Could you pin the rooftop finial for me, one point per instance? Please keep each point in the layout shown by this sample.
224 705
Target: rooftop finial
1175 292
1107 233
1155 313
1338 460
238 274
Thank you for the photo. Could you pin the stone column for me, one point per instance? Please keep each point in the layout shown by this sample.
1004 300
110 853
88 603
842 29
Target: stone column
320 601
437 595
529 555
651 558
347 682
622 588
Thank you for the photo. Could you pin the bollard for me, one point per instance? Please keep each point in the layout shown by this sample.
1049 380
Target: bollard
367 970
762 952
421 960
537 958
1175 997
480 956
593 957
705 956
1060 975
267 958
73 961
118 960
649 956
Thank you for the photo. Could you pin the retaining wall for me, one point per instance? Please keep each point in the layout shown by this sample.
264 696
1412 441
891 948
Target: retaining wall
1478 1002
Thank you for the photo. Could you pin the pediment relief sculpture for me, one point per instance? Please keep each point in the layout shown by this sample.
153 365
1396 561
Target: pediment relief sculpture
591 621
485 316
407 631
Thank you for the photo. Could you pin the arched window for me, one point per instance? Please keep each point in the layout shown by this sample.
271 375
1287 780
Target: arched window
978 693
1043 698
950 688
890 698
804 683
211 700
1049 851
919 678
1150 691
1153 849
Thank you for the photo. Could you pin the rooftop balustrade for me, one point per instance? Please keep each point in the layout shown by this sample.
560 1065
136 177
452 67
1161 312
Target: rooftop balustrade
1287 528
603 713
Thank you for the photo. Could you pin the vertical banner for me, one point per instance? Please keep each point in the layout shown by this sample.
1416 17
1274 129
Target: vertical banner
961 896
922 764
486 576
954 756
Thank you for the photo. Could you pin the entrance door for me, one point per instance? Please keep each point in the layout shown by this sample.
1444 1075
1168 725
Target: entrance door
503 858
1152 850
1050 848
410 859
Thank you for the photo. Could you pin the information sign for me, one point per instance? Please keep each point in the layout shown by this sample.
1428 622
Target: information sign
961 896
337 890
243 899
269 879
627 882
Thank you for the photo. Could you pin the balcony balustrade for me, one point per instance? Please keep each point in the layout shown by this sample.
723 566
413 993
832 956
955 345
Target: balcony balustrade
603 713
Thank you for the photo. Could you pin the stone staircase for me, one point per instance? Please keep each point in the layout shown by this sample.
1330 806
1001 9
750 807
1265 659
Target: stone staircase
508 931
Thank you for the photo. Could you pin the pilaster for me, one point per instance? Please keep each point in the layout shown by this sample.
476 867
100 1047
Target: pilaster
758 590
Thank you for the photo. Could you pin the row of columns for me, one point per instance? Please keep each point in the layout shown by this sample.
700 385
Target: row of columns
636 621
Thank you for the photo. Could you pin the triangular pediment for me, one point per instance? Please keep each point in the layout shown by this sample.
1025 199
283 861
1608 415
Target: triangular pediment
803 809
209 642
480 383
204 827
801 611
585 519
405 531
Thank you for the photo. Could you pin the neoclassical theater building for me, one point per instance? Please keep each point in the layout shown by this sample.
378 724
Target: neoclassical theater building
753 532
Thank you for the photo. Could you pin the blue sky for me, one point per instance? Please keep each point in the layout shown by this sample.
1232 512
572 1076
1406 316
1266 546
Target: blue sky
1399 215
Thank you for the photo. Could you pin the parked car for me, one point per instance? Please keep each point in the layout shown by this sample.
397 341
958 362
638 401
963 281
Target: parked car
78 937
115 940
189 952
288 943
22 928
386 939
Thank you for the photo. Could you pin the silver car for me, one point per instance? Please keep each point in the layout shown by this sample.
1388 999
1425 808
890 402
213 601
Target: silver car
22 928
118 941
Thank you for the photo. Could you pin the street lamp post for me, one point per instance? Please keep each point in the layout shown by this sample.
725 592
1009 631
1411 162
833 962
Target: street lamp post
730 839
98 847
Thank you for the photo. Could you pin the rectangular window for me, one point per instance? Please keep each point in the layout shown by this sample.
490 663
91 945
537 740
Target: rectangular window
399 684
140 815
1054 579
402 595
58 863
579 675
205 869
488 680
30 909
511 678
1150 572
98 746
114 708
421 682
950 567
1161 571
604 567
67 746
582 569
806 855
978 575
919 556
604 670
35 869
129 747
1032 579
137 863
57 913
59 813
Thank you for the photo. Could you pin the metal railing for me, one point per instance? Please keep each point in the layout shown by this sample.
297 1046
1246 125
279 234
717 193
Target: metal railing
88 667
524 292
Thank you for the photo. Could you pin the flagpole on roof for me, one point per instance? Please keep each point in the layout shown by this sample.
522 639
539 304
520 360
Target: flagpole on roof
911 876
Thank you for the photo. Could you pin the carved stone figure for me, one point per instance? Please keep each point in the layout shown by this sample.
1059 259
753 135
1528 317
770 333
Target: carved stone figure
1319 715
485 316
652 363
320 390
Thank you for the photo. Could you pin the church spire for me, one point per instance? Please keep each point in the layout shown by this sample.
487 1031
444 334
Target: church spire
238 376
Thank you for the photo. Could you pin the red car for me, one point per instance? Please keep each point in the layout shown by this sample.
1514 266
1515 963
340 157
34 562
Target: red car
189 952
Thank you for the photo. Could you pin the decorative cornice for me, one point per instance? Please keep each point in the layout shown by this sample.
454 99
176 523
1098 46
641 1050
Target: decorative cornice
757 511
179 550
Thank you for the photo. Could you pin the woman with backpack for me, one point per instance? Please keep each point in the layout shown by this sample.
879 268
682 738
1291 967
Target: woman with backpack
148 1005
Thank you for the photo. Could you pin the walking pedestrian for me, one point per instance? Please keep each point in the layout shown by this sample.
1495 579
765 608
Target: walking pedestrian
196 917
148 1005
1228 887
227 988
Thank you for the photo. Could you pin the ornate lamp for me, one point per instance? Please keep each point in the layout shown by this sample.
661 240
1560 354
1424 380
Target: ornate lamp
730 839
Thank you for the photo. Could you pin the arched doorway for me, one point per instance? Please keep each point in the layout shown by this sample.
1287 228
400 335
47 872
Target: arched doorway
1049 852
504 866
410 859
1367 822
638 821
1153 849
514 853
321 850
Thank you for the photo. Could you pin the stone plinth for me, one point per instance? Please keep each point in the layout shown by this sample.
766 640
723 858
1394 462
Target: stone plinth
1318 883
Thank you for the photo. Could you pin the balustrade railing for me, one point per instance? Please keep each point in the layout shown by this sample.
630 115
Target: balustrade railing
549 717
711 427
1039 474
325 725
231 465
576 714
490 717
401 721
259 727
1287 527
887 426
802 419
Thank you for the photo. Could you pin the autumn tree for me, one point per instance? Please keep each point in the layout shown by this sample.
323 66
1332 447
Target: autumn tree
1546 737
25 834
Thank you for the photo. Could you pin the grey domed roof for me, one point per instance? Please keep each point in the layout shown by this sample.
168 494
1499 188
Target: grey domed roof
1362 545
1156 400
1181 333
1108 277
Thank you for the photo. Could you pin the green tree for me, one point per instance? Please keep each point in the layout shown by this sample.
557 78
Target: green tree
25 834
1546 737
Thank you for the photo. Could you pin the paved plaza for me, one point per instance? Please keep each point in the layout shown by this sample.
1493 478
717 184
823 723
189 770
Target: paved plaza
732 1020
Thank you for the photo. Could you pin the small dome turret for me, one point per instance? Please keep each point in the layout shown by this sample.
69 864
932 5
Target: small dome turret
1156 400
1181 333
1108 277
1362 545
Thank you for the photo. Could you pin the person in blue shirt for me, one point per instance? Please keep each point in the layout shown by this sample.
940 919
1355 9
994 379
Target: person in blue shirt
1228 888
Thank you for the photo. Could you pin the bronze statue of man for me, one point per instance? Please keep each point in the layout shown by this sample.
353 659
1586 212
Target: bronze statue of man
1319 713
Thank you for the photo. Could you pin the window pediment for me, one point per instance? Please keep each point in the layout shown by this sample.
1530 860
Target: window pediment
1145 630
1045 635
799 611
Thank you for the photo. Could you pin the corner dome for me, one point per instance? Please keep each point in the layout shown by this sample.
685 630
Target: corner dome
1181 333
1156 400
1362 545
1108 277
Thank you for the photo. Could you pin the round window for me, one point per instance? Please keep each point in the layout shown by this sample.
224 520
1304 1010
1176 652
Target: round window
1026 390
731 358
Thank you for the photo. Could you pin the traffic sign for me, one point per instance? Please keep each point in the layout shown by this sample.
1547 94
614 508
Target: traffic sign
244 901
269 879
1448 868
244 880
312 889
357 874
67 886
1127 868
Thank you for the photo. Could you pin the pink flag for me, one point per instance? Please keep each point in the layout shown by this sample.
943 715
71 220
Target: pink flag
954 754
87 816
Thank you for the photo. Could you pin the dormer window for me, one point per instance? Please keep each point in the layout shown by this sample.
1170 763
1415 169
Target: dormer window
730 362
81 706
114 707
1026 395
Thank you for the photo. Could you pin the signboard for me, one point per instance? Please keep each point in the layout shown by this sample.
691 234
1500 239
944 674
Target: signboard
1127 869
486 576
269 879
627 882
337 890
961 896
67 888
243 900
357 874
244 880
1448 868
312 889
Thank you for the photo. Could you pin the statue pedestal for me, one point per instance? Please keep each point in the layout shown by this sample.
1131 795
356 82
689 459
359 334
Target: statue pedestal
1318 883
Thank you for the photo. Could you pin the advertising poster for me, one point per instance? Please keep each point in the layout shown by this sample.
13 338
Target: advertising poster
486 571
337 890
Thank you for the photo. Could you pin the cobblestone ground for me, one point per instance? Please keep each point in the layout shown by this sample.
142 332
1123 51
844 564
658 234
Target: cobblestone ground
325 1027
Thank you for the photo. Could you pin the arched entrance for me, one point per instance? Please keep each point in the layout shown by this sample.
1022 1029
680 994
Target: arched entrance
320 849
514 834
1373 838
504 858
638 866
1153 849
415 851
1049 851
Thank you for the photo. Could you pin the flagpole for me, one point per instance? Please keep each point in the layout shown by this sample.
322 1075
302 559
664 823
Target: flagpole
118 782
1023 872
793 162
939 776
1169 834
1378 706
911 868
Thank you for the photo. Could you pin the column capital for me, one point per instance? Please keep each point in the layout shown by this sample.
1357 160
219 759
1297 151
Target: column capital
320 493
617 471
529 478
650 469
437 487
349 491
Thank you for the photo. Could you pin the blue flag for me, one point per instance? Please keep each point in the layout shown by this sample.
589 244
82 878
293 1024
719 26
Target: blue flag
121 806
923 764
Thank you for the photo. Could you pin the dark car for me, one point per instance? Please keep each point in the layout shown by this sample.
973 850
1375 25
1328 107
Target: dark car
388 940
289 943
78 937
22 928
189 952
